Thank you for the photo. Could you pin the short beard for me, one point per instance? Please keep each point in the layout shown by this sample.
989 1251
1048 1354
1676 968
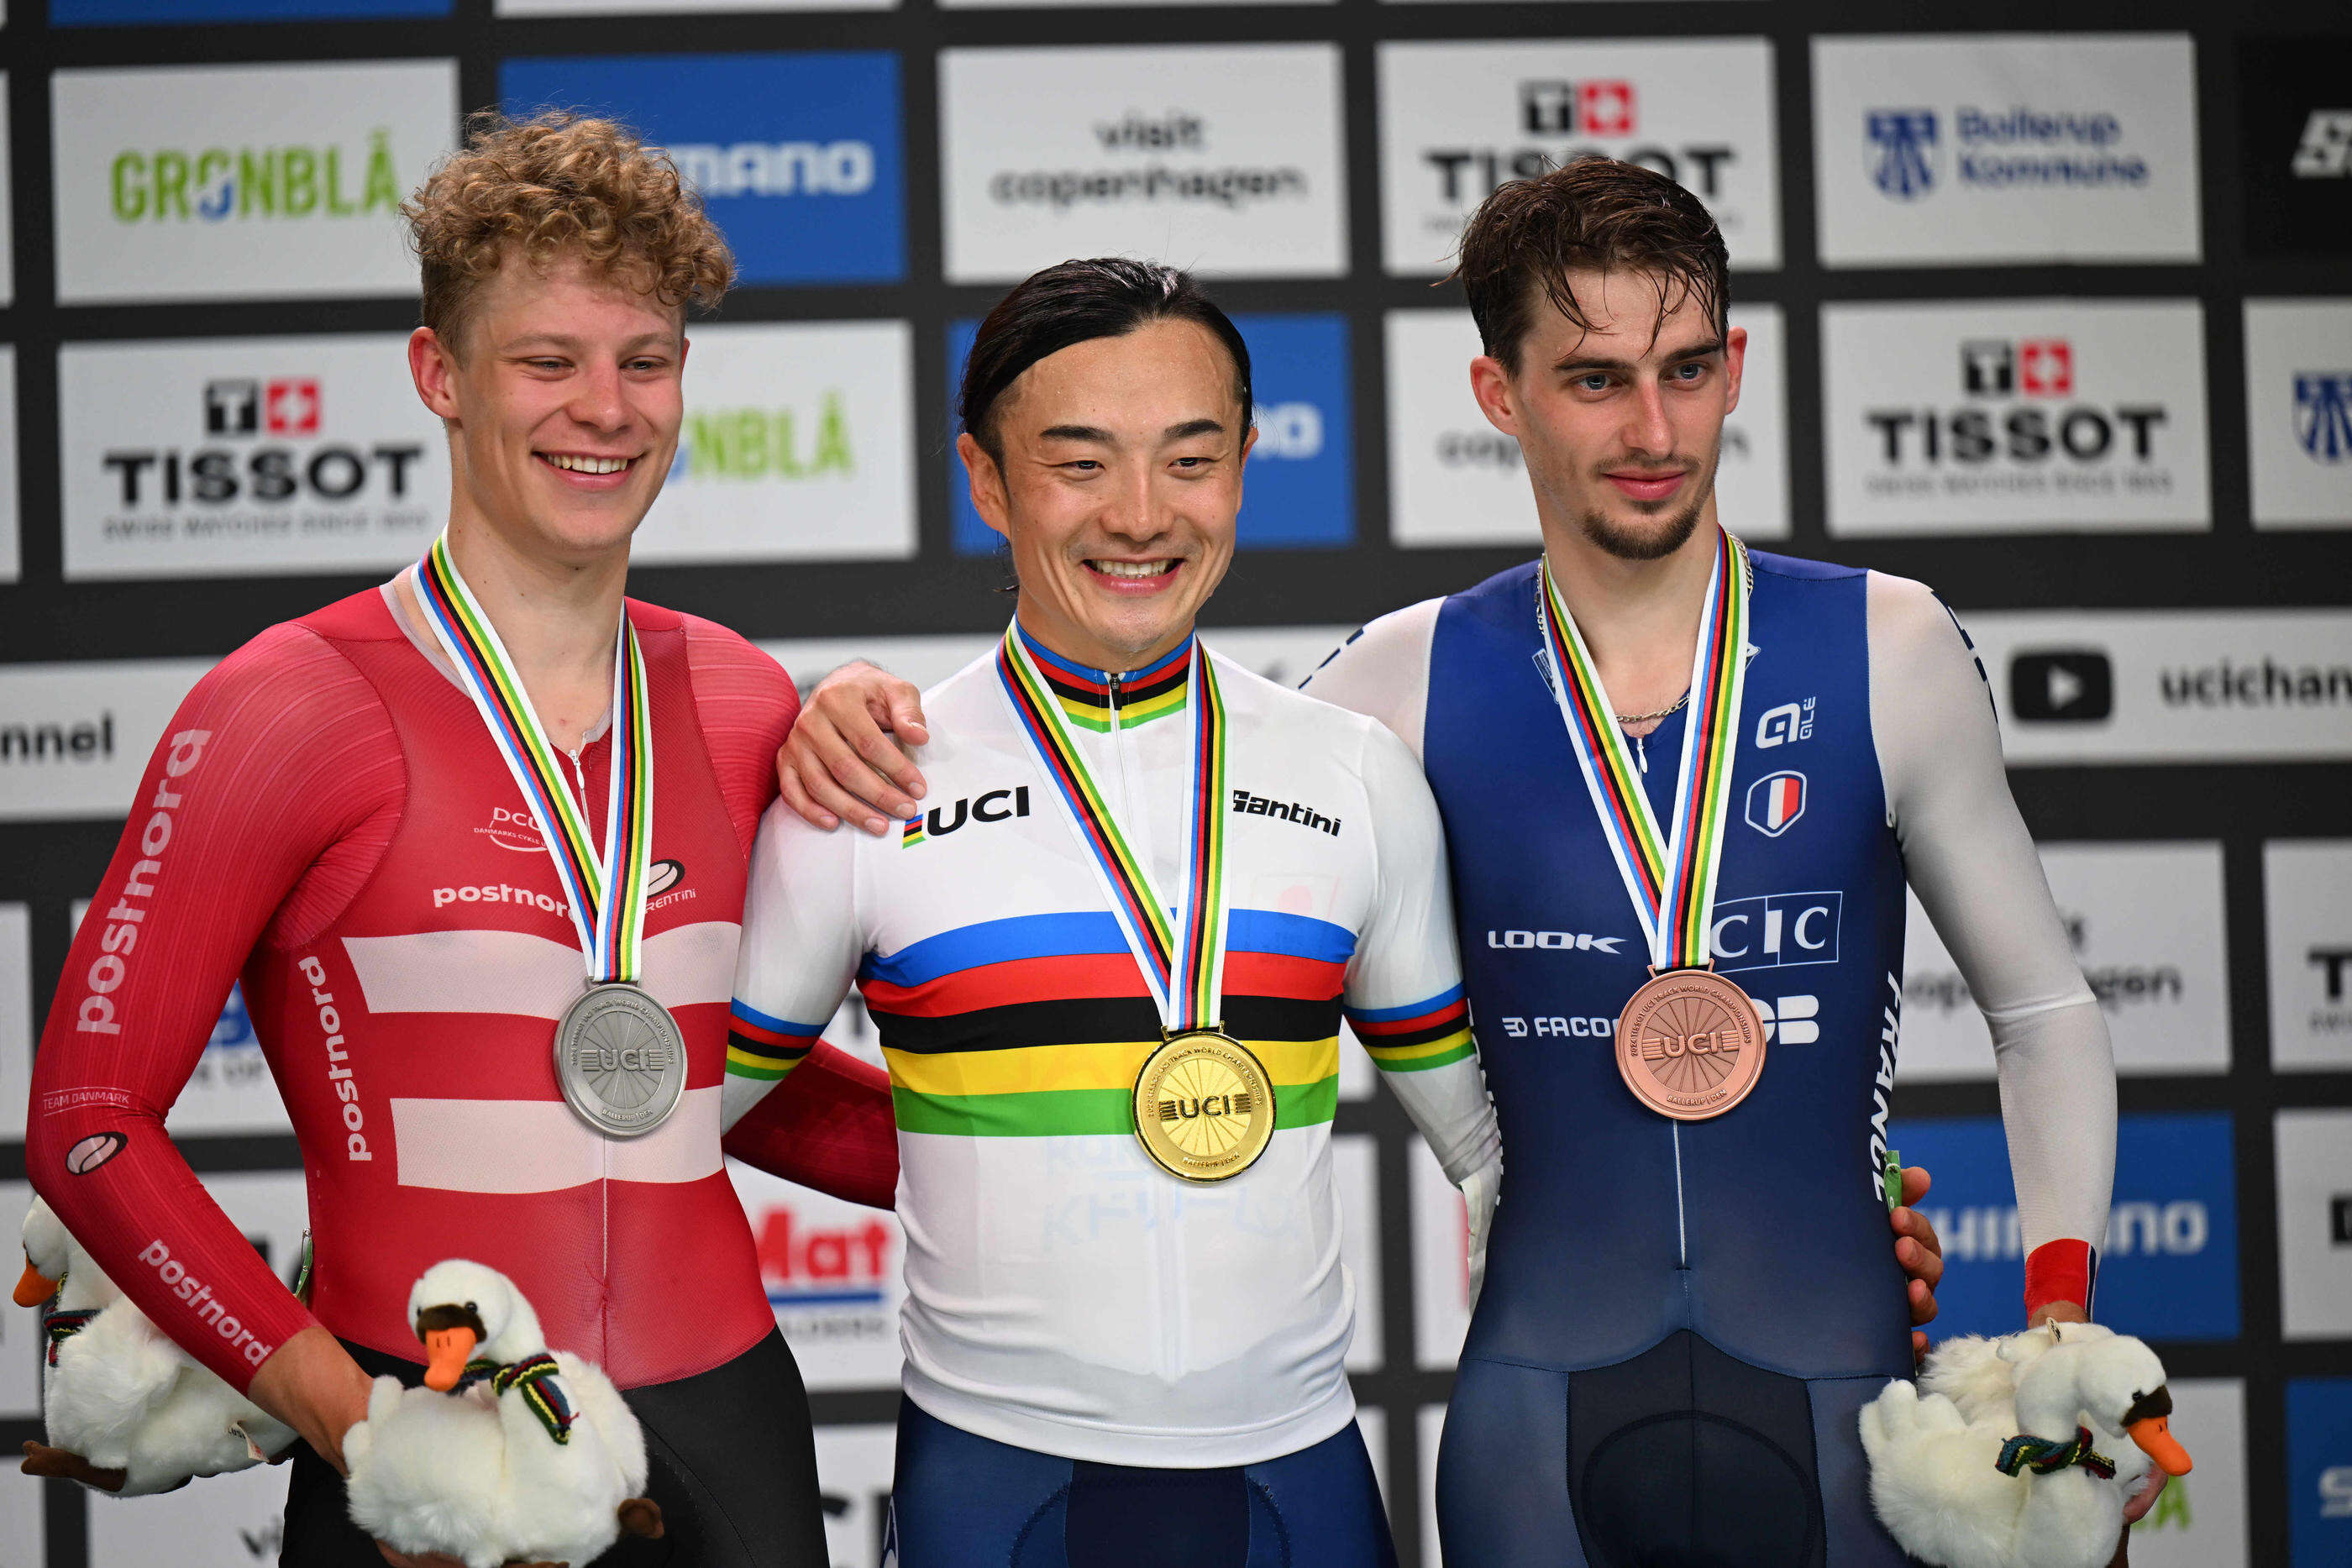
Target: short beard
1627 545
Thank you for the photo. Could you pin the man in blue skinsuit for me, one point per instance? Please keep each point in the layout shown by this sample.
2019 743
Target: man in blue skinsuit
1688 1292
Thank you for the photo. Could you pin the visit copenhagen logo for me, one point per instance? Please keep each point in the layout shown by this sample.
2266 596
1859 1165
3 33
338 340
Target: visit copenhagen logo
2018 147
1174 163
224 184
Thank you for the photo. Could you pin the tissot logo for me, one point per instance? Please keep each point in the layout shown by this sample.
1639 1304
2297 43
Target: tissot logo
2322 415
1565 109
2061 686
211 476
2038 367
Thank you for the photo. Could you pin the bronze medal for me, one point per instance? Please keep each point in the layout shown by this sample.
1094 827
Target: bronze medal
1203 1106
1690 1045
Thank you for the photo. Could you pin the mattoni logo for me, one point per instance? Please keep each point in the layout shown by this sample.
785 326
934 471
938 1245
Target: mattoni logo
2062 686
2325 152
805 1265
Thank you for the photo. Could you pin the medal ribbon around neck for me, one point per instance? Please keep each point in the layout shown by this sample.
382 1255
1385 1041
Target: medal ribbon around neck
605 894
1670 875
1183 956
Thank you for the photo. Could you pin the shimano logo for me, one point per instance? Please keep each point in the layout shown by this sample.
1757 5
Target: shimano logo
199 1295
776 168
1248 805
1554 941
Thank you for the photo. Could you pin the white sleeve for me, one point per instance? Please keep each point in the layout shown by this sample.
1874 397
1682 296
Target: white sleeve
1404 995
1382 672
1969 858
802 943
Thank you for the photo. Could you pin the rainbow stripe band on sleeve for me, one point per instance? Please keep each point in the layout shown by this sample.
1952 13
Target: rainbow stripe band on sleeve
1415 1037
765 1048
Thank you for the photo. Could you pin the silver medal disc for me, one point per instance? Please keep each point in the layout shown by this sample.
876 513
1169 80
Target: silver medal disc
620 1058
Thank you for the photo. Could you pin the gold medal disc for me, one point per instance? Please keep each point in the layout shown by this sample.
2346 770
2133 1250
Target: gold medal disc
1690 1045
1203 1106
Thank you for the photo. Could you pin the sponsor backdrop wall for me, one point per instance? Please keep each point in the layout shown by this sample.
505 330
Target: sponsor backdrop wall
2054 318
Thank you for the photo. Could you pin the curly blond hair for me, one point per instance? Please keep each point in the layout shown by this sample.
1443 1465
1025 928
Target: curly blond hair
560 183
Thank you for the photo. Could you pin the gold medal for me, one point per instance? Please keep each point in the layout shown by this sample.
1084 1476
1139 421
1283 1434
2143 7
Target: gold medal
1690 1045
1203 1106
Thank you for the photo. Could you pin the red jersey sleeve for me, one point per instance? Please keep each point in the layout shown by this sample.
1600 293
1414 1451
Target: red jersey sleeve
830 1124
266 804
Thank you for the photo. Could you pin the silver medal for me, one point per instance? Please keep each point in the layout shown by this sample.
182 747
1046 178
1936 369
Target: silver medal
620 1058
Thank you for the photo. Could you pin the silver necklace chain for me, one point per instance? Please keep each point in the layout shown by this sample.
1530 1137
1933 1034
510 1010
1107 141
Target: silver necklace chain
1672 707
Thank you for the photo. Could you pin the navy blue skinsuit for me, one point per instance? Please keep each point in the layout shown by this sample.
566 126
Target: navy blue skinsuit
1680 1321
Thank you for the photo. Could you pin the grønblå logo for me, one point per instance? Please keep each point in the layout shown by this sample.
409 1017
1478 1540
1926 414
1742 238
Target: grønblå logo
223 184
797 156
1902 147
2323 414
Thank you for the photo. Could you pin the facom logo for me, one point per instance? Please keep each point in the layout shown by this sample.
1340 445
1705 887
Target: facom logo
749 445
806 1265
776 168
1562 121
2014 148
241 410
220 184
2325 151
2323 414
1990 429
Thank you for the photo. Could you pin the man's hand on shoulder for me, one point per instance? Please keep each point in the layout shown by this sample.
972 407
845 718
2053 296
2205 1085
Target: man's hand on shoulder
847 756
1920 1251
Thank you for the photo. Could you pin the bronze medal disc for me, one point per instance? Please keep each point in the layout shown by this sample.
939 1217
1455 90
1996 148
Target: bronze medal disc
1690 1044
1203 1106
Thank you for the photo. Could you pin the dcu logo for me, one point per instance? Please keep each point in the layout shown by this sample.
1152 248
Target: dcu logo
1775 803
797 156
2323 414
1900 146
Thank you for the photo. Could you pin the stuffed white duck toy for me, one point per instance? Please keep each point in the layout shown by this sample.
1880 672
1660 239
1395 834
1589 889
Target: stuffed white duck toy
1995 1457
127 1411
510 1452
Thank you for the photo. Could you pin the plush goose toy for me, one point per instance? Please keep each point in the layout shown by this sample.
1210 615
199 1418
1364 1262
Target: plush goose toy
2002 1453
510 1452
127 1410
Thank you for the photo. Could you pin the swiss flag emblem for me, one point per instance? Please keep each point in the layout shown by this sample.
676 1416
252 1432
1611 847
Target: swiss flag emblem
2045 366
1606 108
291 406
1775 803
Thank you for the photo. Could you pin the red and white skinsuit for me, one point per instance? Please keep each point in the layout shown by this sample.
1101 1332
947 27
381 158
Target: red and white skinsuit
328 819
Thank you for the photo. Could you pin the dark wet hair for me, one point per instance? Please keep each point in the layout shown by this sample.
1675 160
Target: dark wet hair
1076 302
1526 239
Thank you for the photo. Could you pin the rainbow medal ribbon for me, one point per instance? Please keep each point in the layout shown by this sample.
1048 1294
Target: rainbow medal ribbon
1203 1103
619 1056
1690 1045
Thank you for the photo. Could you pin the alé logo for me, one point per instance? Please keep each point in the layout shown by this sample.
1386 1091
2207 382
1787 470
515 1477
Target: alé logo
224 185
808 1265
2323 414
749 445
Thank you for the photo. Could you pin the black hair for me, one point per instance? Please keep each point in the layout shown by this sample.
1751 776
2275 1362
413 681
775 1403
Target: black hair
1076 302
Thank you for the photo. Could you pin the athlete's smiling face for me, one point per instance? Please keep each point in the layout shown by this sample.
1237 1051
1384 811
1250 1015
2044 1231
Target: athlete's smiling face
563 404
1118 484
1620 424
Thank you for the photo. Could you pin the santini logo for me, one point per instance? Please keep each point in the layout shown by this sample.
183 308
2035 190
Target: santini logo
94 1152
1248 805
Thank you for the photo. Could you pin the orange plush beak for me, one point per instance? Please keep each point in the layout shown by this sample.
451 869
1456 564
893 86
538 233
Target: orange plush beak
2154 1436
446 1352
33 1287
